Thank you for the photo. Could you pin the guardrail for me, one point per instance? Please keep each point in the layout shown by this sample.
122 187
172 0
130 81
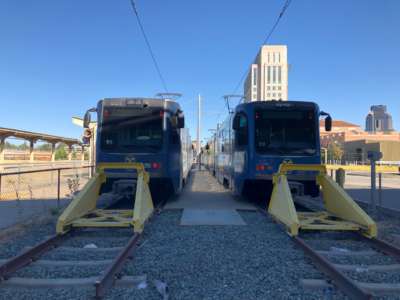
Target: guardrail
390 163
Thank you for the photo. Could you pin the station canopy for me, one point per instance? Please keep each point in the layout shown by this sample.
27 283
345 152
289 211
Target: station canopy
33 136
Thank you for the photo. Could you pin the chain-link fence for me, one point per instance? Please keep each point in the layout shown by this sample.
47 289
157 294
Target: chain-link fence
387 188
29 194
356 159
20 167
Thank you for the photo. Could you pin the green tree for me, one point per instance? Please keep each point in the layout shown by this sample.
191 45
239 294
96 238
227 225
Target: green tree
8 145
86 155
44 147
61 145
24 146
336 150
74 154
61 153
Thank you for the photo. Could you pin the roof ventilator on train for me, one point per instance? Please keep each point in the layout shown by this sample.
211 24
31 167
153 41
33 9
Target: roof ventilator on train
343 213
82 210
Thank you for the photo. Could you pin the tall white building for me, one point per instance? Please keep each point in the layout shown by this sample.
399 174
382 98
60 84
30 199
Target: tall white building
268 77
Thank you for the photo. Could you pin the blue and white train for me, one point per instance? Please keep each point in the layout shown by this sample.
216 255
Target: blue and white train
147 130
259 136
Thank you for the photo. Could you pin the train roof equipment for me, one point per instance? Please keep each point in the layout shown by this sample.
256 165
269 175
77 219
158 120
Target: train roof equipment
342 212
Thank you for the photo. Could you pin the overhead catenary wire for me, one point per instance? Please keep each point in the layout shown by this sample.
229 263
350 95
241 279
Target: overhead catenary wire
148 45
255 59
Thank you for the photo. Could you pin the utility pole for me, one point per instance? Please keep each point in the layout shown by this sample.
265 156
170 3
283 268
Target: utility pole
199 134
199 112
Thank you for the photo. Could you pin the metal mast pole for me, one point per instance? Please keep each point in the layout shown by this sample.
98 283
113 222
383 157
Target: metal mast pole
198 135
373 123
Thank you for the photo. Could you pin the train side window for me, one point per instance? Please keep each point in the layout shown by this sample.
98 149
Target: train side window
174 131
243 132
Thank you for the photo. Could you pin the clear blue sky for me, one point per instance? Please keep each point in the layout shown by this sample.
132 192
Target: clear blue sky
58 58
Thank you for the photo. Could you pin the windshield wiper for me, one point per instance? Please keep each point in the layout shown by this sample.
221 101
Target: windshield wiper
138 147
305 151
276 149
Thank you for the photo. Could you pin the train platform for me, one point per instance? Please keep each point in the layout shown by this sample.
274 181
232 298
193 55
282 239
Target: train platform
204 192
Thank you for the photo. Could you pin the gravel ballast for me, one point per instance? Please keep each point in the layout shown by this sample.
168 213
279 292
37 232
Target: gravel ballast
58 272
201 262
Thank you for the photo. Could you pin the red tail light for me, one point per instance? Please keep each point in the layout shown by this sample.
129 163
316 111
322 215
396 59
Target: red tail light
155 166
262 167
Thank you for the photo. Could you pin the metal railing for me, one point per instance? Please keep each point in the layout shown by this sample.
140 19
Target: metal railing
387 193
18 167
28 194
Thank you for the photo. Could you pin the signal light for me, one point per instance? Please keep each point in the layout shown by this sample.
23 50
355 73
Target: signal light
154 165
257 167
106 113
160 165
256 115
161 113
262 167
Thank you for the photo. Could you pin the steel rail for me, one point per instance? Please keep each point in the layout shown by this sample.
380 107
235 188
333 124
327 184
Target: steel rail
335 276
112 273
113 270
32 254
380 245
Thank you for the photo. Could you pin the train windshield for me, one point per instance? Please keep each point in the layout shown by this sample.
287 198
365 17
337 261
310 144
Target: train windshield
131 130
284 132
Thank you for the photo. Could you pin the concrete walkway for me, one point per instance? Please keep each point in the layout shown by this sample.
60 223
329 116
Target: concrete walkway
203 191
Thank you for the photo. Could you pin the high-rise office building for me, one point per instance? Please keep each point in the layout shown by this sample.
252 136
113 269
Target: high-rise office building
378 119
268 77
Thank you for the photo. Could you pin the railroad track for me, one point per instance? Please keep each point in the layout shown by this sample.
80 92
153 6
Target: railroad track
340 271
51 256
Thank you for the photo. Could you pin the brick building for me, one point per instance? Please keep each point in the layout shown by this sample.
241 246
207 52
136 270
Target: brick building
338 126
356 143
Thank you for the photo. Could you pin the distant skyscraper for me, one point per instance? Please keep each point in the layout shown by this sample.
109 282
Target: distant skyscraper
378 119
268 77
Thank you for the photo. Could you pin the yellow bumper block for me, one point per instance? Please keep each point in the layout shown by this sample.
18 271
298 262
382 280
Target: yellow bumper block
82 213
343 213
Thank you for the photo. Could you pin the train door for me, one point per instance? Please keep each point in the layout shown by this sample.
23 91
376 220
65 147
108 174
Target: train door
216 158
175 154
231 155
241 152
